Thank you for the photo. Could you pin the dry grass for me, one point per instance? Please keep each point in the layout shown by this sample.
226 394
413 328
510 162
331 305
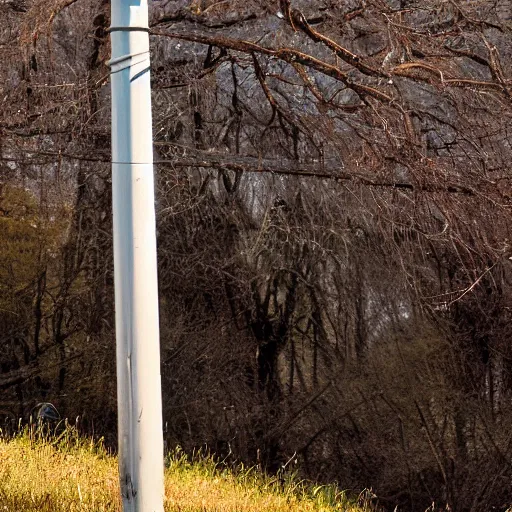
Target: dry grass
69 473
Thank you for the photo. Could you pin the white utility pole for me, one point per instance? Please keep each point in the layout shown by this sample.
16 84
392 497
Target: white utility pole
136 287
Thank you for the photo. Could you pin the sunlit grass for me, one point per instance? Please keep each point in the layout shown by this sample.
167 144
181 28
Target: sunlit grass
71 473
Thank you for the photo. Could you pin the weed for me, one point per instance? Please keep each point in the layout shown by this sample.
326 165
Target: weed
55 469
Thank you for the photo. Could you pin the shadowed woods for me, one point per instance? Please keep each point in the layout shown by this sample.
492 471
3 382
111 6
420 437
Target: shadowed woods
333 235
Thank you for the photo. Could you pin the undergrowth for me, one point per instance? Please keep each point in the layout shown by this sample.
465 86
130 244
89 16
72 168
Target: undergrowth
50 471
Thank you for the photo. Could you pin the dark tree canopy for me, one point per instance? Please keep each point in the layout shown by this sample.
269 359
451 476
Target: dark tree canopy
333 210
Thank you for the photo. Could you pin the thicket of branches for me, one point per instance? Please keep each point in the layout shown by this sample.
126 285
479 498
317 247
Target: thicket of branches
333 210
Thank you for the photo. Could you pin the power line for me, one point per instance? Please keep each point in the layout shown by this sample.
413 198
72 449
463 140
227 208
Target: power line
252 165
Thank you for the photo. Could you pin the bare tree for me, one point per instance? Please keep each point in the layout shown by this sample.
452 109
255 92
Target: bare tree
334 233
